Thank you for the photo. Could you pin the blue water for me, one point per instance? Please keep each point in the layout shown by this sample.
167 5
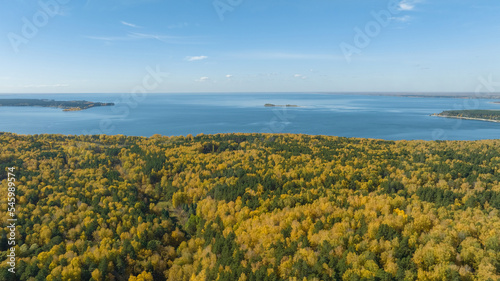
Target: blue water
380 117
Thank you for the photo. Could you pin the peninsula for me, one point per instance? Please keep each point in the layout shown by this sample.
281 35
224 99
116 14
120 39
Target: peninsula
75 105
480 115
279 105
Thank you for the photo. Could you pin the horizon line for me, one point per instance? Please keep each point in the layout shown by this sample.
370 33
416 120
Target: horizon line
263 92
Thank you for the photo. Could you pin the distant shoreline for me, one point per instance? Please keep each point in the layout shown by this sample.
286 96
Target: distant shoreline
65 105
280 105
467 118
462 95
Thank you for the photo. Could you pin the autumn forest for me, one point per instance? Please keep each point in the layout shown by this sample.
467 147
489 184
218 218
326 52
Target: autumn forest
251 207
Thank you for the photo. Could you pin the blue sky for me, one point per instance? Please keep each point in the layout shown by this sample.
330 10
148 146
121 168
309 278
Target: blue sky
96 46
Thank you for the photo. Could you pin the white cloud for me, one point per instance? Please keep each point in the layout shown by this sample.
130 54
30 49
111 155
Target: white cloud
129 24
203 79
408 5
196 58
229 76
299 76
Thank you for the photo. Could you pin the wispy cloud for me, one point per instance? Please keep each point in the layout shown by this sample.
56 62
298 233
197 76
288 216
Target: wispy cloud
299 76
196 58
203 79
159 37
134 36
129 24
405 18
406 7
284 55
229 76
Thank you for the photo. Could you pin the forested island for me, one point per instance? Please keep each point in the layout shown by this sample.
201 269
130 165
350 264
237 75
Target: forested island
481 115
280 105
65 105
250 207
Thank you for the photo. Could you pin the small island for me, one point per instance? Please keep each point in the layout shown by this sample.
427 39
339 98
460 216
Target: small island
279 105
481 115
75 105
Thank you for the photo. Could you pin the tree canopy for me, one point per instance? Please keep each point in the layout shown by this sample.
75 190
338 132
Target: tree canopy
251 207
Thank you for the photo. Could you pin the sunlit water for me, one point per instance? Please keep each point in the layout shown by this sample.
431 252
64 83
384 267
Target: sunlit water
381 117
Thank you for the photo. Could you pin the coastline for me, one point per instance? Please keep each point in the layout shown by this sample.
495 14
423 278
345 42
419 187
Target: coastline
71 105
467 118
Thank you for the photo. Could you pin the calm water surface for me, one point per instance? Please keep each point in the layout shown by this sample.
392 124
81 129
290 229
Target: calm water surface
380 117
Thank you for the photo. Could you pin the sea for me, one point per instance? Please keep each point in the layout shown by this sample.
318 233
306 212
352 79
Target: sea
346 115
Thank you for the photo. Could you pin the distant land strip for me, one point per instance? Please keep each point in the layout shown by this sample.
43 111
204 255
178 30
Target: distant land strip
480 115
75 105
280 105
